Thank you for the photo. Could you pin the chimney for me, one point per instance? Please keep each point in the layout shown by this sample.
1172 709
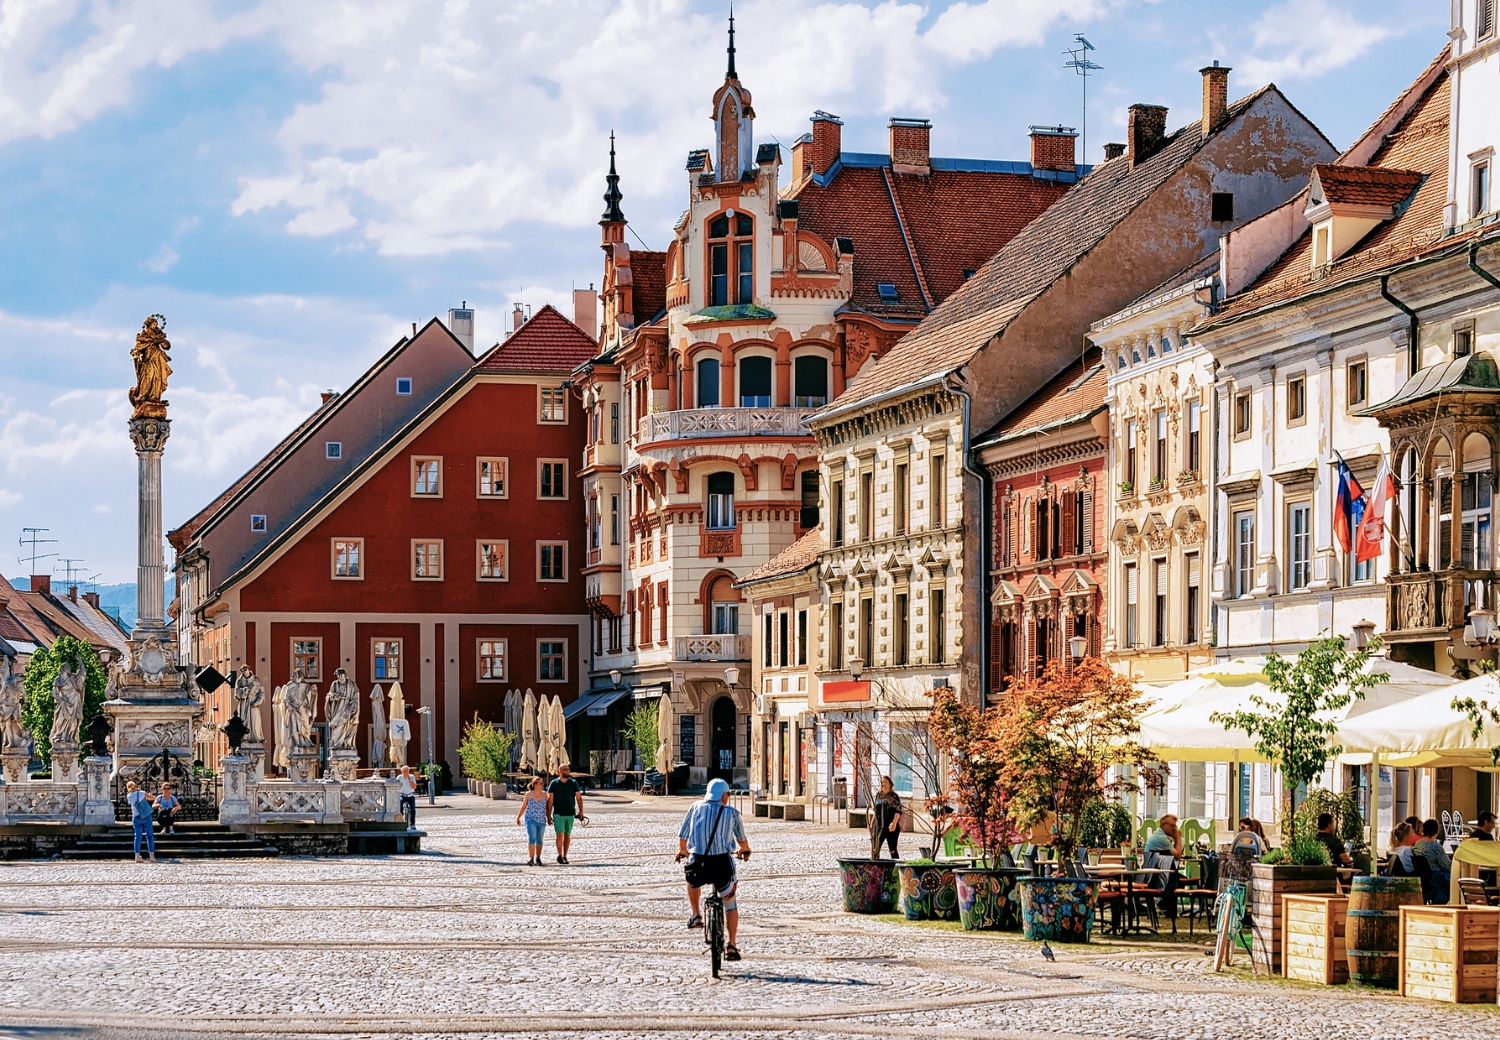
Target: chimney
1114 150
911 146
1052 148
461 324
92 599
329 395
827 144
801 161
41 583
73 593
517 318
1215 96
586 309
1148 126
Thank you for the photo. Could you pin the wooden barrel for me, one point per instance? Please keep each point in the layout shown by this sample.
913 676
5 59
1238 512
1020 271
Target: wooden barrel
1373 932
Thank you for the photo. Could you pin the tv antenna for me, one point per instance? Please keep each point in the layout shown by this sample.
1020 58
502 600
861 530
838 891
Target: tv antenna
70 571
1079 62
31 537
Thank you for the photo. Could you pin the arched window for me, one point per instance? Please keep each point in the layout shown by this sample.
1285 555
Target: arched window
755 382
731 260
810 382
720 501
724 607
1476 539
708 383
1440 468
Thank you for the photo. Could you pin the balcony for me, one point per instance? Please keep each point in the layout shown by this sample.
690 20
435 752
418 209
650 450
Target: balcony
726 423
713 648
1424 605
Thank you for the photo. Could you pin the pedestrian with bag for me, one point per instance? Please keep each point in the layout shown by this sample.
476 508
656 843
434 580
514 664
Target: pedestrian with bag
885 819
565 802
707 841
142 806
535 811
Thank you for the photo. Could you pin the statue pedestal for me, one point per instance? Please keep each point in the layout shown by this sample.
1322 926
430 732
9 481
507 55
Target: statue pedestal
13 762
255 752
65 763
98 799
302 765
154 708
235 804
342 765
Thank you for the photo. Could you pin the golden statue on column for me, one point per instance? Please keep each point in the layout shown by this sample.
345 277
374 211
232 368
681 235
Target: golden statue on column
152 367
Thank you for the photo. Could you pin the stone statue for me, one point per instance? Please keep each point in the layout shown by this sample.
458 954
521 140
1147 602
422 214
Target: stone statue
378 729
152 367
67 696
248 695
278 727
400 728
12 696
341 709
301 706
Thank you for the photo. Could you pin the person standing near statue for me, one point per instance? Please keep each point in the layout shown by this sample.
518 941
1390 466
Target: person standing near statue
142 808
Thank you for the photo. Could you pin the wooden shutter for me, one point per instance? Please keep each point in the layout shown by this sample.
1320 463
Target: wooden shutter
1028 531
997 656
1067 536
1086 520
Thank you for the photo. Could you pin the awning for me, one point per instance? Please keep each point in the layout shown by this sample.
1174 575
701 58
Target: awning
593 703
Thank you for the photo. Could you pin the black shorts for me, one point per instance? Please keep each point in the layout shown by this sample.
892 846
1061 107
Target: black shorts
715 870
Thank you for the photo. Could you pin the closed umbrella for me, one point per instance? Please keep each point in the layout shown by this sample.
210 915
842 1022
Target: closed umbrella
664 736
528 732
560 731
544 735
510 711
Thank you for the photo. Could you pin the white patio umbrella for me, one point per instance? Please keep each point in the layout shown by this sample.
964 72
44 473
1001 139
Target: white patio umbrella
664 736
544 739
528 732
1425 730
560 736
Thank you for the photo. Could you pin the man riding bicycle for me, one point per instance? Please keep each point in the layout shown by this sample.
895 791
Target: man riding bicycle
707 840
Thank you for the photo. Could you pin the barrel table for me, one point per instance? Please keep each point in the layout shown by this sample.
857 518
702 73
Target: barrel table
1372 934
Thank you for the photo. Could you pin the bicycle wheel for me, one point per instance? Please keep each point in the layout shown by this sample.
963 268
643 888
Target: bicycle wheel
716 935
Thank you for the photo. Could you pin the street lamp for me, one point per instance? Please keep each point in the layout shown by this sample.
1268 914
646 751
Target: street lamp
614 677
1363 630
856 665
732 676
1078 646
432 769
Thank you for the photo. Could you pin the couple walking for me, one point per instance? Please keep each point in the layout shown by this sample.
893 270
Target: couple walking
560 804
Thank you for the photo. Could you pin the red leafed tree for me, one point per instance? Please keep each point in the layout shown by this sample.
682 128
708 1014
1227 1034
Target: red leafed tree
977 772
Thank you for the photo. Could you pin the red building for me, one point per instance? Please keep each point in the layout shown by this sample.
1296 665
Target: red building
446 558
1045 463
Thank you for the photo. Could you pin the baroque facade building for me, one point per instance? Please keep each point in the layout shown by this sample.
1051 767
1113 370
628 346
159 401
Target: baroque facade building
769 300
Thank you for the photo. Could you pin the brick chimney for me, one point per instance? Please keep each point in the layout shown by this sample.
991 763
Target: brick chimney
1052 148
586 310
92 599
517 318
1114 150
73 593
801 157
911 146
1215 96
827 141
1148 126
329 395
41 583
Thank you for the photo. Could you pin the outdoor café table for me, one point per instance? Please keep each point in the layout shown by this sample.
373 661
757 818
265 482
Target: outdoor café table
1115 871
631 772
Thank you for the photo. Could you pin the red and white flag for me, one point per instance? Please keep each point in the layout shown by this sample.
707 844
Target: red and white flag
1370 538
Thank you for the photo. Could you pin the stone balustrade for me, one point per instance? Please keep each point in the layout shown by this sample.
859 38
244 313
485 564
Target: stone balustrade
713 648
728 423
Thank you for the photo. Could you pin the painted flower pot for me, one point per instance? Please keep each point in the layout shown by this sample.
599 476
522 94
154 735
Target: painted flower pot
986 899
1058 909
928 892
869 885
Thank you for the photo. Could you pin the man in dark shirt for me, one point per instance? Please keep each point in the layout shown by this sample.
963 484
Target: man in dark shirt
1484 829
1337 855
565 800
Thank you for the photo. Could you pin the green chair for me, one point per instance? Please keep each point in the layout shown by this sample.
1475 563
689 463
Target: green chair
1146 829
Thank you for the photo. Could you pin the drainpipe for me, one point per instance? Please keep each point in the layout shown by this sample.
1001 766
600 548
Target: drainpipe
1214 511
986 518
1413 355
1474 265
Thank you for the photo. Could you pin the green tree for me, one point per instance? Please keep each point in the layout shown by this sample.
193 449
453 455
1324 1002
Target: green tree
1295 726
41 671
643 729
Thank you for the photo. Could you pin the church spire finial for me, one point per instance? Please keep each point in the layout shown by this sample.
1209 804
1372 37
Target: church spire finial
731 74
612 195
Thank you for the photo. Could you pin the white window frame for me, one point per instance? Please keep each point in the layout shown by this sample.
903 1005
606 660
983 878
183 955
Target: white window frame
317 654
552 544
550 400
375 655
492 460
1242 545
1299 545
418 468
403 386
359 562
562 467
441 566
480 655
257 523
479 554
333 449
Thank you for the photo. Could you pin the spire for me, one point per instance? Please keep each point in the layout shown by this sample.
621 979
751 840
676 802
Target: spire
731 74
612 194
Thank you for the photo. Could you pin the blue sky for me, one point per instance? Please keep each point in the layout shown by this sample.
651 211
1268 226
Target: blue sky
293 182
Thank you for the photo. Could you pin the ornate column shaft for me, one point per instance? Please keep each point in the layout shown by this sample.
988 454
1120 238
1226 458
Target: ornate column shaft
150 438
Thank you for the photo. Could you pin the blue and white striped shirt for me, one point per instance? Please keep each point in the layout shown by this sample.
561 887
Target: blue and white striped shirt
700 821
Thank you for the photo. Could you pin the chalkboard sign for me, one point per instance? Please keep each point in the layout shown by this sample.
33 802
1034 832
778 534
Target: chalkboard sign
687 735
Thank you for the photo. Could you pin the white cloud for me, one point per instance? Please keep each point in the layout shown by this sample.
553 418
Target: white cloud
9 498
1304 39
162 260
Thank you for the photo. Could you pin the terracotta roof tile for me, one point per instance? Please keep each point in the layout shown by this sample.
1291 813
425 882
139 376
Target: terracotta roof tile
648 286
798 556
1418 145
1028 264
1072 396
1366 185
547 342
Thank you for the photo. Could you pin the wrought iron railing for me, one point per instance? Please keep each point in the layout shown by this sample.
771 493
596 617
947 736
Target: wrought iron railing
199 795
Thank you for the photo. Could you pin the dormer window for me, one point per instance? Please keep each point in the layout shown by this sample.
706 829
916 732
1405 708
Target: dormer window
731 259
1346 203
888 293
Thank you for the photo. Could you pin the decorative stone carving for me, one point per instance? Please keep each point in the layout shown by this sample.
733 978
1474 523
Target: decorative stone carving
12 697
67 717
248 695
42 799
169 733
341 709
278 727
271 798
300 702
152 369
363 799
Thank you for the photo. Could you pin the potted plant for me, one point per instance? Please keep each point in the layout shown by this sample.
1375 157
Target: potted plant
1127 488
1187 476
1059 734
1293 728
1157 484
977 787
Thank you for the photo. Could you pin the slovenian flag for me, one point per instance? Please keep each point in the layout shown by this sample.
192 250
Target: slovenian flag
1372 526
1348 508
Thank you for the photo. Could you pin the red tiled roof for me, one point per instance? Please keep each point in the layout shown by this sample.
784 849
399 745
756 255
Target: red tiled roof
798 556
1072 396
1365 185
1030 263
956 219
35 617
648 284
547 342
1417 146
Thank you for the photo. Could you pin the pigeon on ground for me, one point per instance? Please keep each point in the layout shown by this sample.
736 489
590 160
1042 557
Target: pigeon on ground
1047 951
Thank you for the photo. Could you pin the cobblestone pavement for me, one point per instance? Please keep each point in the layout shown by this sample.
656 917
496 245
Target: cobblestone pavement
466 941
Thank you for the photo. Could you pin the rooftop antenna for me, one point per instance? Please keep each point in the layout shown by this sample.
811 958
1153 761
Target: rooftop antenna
32 537
70 572
1079 62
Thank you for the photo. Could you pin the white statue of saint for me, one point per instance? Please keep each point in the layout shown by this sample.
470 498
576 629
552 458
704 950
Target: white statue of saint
248 695
67 696
301 706
341 709
378 731
12 697
278 727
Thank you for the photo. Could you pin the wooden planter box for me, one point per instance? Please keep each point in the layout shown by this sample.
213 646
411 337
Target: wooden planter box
1450 953
1313 939
1268 884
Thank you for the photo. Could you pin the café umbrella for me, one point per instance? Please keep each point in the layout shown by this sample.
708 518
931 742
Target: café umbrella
528 732
559 737
664 736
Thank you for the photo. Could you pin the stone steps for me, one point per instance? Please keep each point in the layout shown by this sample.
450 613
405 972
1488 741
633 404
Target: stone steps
191 841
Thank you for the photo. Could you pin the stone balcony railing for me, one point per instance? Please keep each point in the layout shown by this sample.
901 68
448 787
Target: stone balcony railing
727 423
713 648
1422 603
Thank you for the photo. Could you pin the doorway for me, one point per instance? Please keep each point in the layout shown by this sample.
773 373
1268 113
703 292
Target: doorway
721 742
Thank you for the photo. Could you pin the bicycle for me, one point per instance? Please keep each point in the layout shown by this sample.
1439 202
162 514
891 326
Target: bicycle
713 929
